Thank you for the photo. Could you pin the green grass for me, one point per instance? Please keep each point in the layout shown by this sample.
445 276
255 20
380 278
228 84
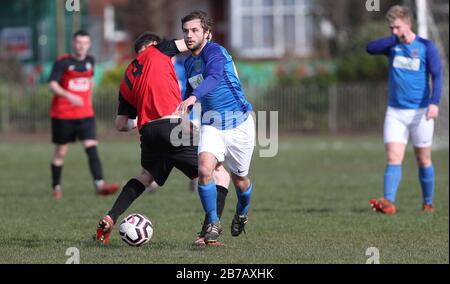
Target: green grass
310 205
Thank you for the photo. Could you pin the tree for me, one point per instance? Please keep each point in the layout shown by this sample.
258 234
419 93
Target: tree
139 16
348 16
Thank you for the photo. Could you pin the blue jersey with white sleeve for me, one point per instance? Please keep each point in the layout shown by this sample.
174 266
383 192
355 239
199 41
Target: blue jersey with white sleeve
410 67
213 80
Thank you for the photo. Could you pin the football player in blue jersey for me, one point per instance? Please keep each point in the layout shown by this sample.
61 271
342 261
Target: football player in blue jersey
412 105
227 128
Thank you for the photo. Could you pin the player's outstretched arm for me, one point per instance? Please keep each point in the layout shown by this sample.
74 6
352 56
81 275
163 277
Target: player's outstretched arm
214 69
381 46
181 45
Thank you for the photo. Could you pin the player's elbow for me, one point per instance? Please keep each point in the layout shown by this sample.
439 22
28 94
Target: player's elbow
370 50
374 48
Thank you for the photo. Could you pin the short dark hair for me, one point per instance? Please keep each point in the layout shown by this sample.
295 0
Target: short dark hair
206 21
144 39
81 33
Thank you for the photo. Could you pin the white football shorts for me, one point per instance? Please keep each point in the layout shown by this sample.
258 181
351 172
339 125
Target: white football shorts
400 124
235 146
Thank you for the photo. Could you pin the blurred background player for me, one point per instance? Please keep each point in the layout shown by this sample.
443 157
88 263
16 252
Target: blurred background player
72 114
412 107
228 130
150 92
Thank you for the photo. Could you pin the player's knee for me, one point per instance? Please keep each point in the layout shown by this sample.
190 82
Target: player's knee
242 183
424 160
394 158
146 178
205 174
60 152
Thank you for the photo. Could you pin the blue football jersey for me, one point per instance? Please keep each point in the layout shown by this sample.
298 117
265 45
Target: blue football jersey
410 67
213 80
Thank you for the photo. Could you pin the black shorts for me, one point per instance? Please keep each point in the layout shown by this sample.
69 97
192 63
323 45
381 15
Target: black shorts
159 156
66 131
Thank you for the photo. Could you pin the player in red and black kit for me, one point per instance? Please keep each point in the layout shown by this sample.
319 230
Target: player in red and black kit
148 99
72 115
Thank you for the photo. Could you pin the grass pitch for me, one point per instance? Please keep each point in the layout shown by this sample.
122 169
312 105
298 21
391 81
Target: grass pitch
310 205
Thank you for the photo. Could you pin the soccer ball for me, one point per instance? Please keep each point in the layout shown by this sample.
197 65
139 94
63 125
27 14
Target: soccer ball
136 230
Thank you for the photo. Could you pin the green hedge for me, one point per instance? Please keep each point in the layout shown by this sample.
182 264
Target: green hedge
24 109
355 64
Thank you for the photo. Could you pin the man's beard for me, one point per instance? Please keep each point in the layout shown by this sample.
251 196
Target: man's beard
195 47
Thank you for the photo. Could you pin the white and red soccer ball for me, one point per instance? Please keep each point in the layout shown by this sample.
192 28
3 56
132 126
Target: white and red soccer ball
136 230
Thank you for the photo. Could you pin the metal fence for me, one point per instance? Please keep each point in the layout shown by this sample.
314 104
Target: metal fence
438 23
338 109
344 108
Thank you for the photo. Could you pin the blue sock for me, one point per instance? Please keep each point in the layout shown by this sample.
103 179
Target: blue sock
208 197
426 176
392 178
243 204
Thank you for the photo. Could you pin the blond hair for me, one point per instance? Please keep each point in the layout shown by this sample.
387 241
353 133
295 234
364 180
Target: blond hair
400 12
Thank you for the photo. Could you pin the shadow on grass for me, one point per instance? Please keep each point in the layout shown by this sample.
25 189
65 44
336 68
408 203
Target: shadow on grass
88 242
296 210
32 243
358 210
362 210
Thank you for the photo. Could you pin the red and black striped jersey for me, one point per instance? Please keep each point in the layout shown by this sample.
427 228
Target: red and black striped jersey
149 89
77 78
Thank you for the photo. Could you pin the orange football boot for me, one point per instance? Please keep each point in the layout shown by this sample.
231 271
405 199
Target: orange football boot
383 205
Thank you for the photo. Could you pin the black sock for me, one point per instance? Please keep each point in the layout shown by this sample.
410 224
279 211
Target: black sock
94 163
132 190
56 175
221 196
